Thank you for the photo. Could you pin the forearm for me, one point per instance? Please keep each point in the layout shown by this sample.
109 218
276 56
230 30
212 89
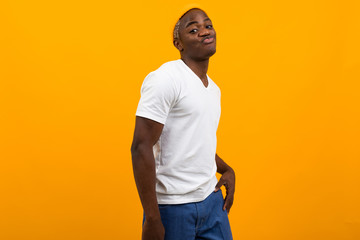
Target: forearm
144 173
221 165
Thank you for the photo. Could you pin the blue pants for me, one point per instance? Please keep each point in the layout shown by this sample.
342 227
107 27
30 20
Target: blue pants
195 221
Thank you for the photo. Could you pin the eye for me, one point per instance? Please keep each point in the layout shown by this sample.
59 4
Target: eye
193 30
209 26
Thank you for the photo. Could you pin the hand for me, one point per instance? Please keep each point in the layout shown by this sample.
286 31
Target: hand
228 180
153 230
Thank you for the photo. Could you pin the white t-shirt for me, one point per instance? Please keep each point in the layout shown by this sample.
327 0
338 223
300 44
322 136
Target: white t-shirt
185 152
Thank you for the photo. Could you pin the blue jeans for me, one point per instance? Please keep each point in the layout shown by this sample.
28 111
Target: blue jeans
195 221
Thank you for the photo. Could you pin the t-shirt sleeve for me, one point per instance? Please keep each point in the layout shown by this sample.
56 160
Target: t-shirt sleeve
157 97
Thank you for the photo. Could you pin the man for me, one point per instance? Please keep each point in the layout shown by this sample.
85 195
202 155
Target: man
174 146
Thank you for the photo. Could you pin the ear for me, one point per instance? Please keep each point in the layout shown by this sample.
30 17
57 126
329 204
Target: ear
177 43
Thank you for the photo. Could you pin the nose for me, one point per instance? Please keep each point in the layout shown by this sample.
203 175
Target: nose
204 32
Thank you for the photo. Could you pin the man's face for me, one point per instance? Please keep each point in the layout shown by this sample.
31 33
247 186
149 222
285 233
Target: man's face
197 37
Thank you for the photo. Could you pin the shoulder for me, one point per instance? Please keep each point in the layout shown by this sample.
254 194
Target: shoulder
170 69
165 75
170 65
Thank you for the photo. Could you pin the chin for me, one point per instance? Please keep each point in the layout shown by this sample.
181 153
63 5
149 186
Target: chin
204 55
211 52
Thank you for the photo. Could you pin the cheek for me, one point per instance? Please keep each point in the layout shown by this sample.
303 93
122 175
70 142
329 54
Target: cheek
191 43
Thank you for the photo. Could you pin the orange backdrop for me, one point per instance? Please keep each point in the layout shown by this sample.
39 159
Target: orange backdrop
70 76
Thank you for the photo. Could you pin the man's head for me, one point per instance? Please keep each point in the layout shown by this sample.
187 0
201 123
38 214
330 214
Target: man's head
194 35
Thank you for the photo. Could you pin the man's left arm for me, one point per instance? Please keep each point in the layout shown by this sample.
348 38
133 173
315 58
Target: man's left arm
228 180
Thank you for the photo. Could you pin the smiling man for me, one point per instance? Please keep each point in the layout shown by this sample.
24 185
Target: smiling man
174 146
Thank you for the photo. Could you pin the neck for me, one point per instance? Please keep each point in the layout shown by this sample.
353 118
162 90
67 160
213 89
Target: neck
198 67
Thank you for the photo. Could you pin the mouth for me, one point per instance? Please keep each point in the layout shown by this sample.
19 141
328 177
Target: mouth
208 39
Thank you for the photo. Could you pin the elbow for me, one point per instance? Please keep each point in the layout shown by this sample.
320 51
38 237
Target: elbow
135 155
139 150
134 148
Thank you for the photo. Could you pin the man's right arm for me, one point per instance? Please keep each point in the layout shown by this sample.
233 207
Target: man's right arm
146 134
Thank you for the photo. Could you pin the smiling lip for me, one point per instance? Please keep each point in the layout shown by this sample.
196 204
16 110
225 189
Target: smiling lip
208 40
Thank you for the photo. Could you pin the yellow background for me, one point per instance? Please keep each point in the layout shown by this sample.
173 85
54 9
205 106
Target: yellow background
70 76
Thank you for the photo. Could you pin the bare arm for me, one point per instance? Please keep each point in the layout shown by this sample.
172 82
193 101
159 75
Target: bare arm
228 180
146 134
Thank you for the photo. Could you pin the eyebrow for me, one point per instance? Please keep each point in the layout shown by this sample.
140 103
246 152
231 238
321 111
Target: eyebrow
193 22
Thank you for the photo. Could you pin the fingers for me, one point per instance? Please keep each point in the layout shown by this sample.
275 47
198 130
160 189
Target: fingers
219 184
228 180
229 199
